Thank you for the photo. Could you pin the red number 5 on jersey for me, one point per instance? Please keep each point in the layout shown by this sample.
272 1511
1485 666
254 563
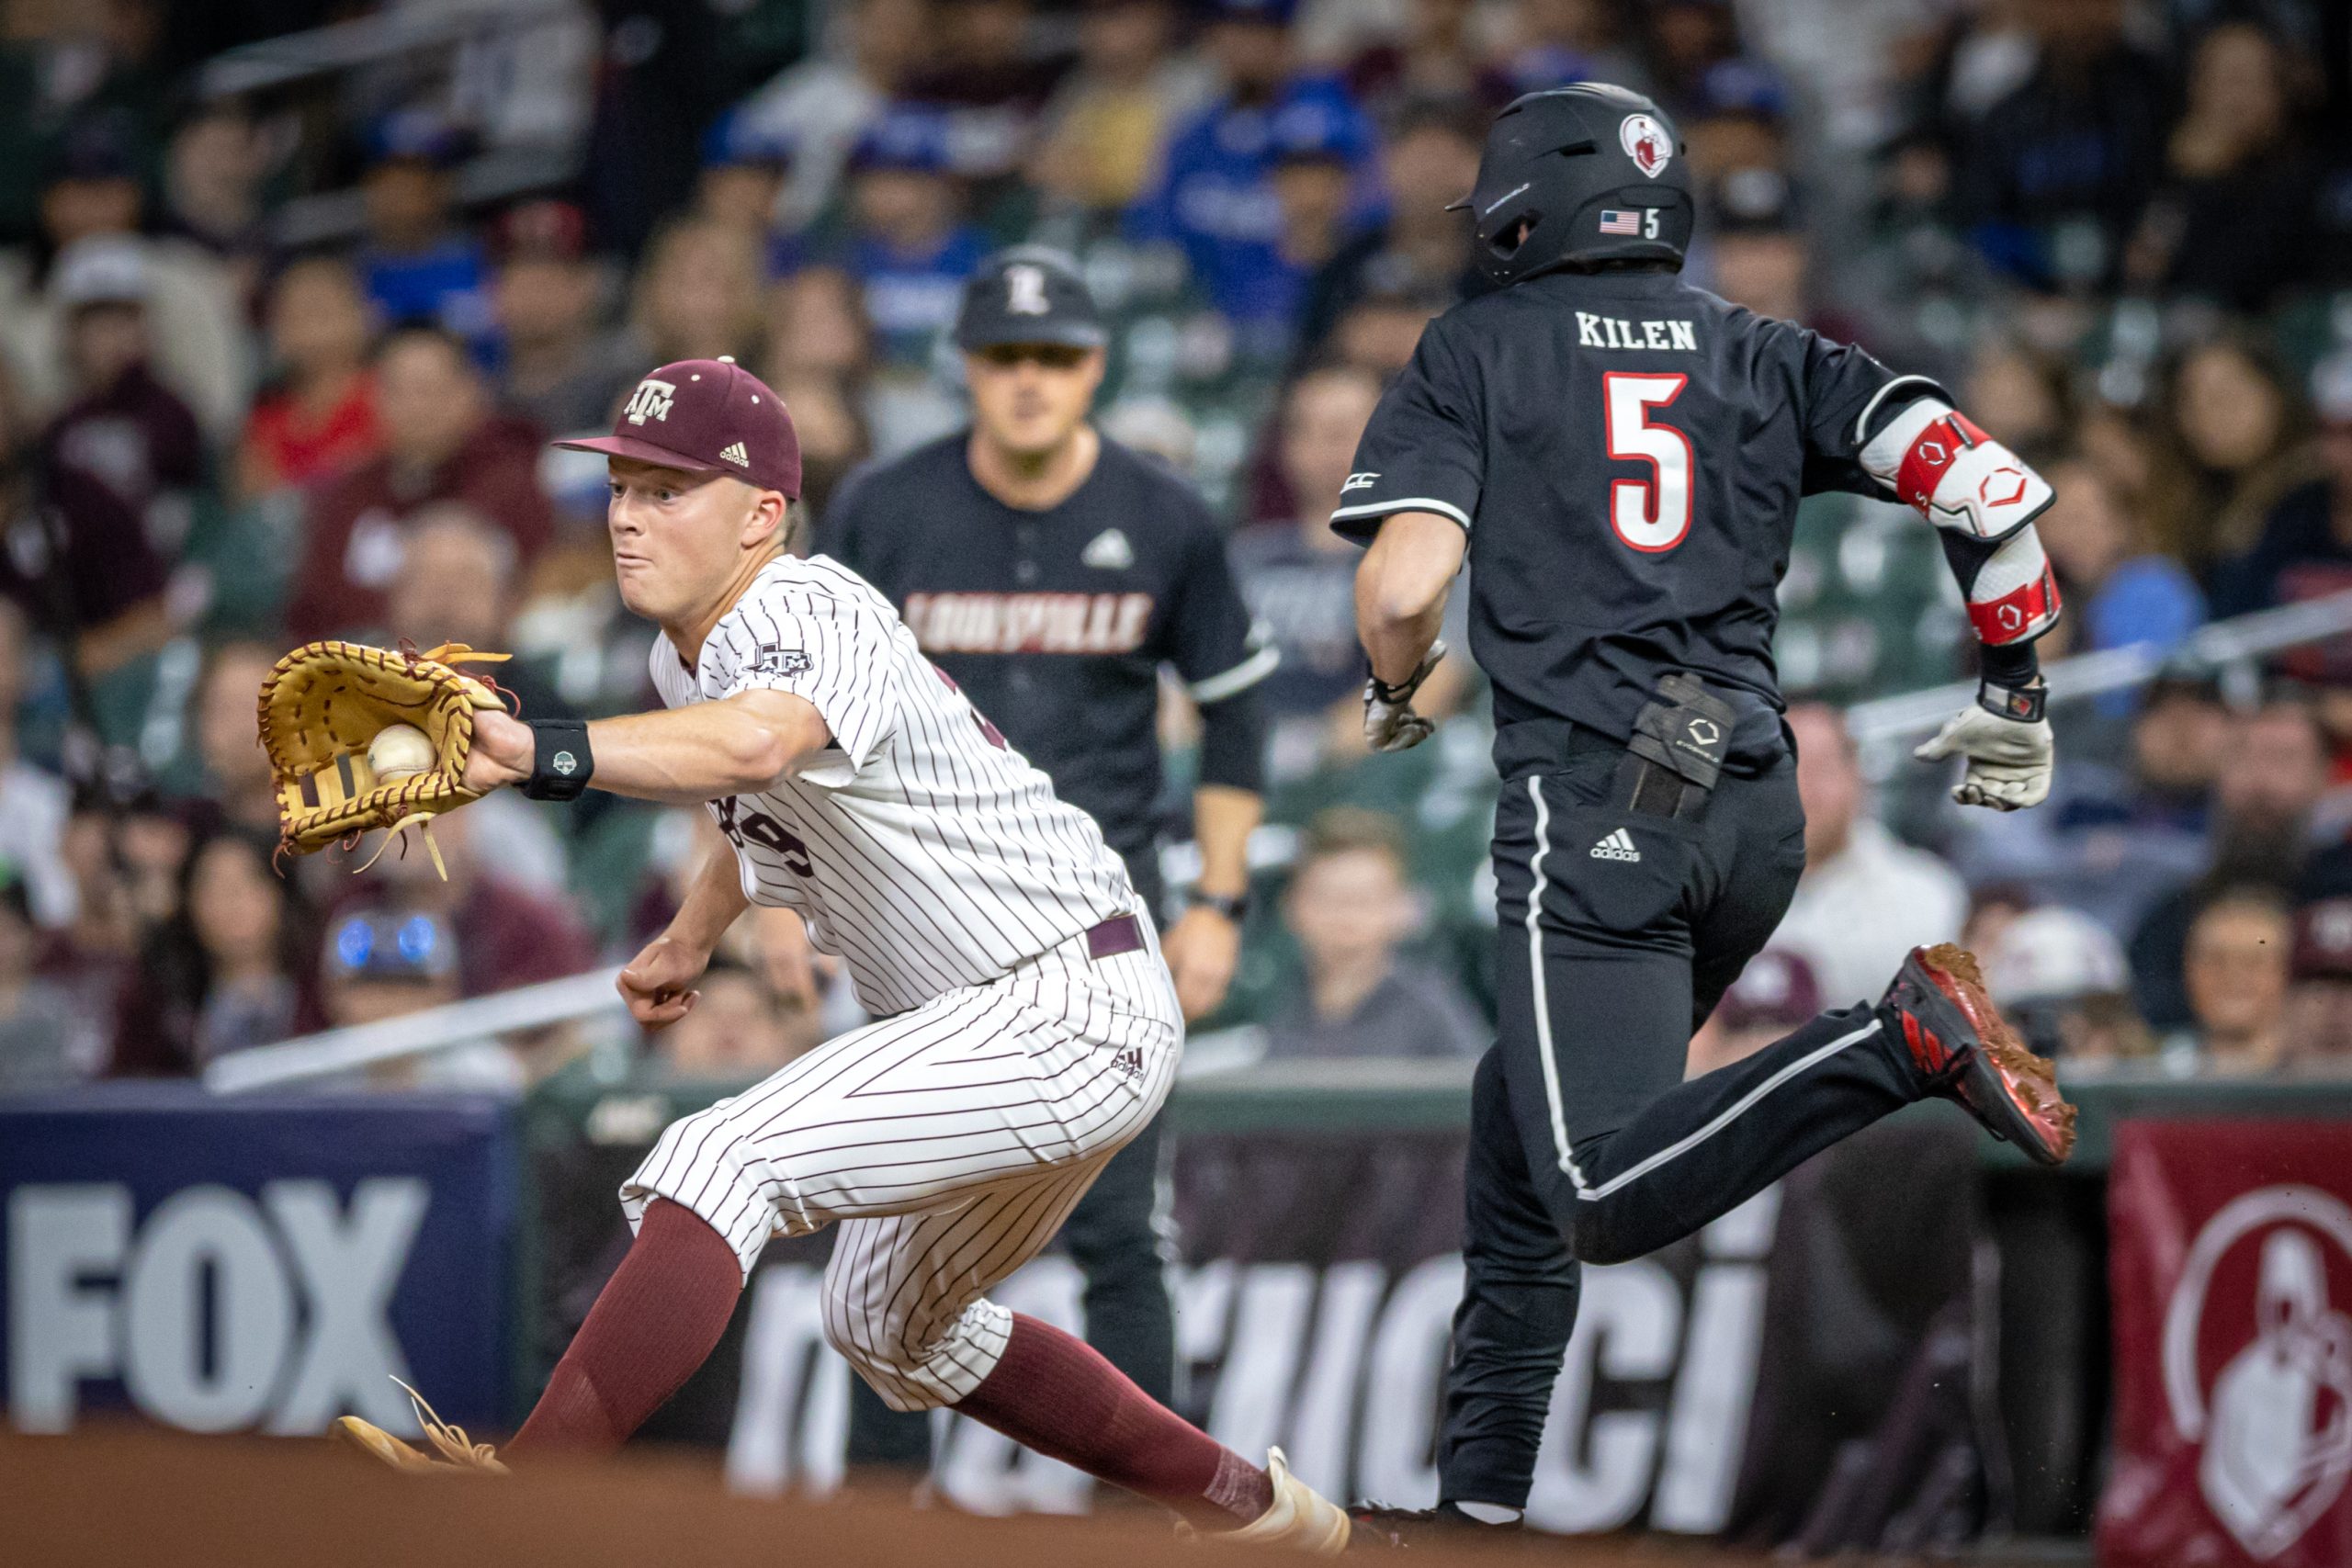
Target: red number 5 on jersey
1649 515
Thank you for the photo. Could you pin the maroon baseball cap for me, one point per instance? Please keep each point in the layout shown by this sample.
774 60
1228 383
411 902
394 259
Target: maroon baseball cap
707 416
1776 990
2323 949
541 231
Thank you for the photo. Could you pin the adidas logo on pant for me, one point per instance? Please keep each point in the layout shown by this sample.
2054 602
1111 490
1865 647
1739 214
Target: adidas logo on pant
1618 845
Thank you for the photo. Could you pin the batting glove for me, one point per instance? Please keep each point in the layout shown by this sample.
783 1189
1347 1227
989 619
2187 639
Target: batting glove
2006 737
1389 722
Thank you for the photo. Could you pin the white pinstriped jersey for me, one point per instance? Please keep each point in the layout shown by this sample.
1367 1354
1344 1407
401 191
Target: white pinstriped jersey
919 847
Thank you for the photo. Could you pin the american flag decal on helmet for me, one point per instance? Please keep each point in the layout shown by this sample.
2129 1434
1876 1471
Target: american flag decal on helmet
1621 221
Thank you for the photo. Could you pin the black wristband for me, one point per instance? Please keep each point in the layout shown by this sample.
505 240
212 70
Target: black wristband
2026 705
561 764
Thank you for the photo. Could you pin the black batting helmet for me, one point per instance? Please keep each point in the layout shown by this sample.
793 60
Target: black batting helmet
1582 174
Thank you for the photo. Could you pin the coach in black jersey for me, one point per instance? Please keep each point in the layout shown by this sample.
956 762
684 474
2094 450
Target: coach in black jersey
1619 455
1053 573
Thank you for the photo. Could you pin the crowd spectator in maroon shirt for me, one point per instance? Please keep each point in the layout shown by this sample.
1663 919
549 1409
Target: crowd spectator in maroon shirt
441 443
119 464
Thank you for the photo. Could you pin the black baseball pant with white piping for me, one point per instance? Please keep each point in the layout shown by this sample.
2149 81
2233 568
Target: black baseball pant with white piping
1619 931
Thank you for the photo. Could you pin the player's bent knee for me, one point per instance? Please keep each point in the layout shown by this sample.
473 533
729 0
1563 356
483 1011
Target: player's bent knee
876 1353
886 1373
905 1382
910 1372
1594 1238
896 1390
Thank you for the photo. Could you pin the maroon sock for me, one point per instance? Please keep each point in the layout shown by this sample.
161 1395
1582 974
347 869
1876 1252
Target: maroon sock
656 1320
1054 1393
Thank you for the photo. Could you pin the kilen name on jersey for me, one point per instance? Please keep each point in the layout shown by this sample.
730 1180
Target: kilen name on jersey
1594 330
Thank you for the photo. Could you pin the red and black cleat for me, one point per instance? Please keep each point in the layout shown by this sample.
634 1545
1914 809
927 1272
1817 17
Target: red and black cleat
1968 1052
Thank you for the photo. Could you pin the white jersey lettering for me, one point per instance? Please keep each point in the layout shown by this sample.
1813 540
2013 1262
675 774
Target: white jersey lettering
1029 622
1596 331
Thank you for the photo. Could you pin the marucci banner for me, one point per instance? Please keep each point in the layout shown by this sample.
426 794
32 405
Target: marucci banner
1339 1362
1786 1373
2232 1273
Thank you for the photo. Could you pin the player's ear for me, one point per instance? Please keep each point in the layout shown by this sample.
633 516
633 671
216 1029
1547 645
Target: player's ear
766 523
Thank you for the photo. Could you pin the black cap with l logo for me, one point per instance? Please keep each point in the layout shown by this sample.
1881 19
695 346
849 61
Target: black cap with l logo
1029 294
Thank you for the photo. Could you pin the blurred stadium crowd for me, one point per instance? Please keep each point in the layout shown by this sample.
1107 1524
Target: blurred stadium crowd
280 347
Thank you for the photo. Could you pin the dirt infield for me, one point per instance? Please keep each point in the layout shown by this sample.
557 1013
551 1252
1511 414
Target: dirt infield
141 1498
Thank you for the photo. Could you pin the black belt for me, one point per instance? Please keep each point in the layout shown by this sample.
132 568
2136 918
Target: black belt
1583 742
1120 933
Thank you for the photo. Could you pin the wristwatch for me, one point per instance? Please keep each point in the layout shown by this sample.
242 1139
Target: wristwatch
2023 705
1232 906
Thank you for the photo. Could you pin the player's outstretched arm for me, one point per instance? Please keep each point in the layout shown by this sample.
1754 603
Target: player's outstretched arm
655 983
739 745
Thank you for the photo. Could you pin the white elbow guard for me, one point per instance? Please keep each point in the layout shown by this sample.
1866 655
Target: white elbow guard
1957 477
2013 597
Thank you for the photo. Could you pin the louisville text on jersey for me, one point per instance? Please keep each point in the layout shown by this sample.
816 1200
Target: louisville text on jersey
1595 330
1029 622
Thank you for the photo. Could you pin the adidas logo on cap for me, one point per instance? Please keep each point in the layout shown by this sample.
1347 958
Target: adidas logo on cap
736 455
1618 845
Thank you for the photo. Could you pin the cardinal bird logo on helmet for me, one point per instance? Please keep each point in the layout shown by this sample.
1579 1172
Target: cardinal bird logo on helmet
1646 142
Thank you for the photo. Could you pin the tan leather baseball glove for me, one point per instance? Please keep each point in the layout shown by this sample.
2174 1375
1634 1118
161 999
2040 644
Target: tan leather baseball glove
321 707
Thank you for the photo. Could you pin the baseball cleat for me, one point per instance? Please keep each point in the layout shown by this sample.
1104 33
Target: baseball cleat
1445 1525
458 1453
1301 1518
1966 1052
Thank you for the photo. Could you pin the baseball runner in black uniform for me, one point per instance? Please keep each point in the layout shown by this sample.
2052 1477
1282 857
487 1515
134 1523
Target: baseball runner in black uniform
1619 457
1052 572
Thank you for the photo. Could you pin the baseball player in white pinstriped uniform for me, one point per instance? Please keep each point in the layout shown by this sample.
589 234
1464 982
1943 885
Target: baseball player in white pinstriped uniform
1028 1026
1026 1029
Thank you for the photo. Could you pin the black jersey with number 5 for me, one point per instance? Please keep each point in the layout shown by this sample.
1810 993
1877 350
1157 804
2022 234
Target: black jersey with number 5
1626 452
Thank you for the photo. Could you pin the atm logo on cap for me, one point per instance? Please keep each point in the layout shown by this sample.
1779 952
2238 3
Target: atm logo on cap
650 400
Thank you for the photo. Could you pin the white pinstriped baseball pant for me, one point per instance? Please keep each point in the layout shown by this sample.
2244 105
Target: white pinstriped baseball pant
949 1142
